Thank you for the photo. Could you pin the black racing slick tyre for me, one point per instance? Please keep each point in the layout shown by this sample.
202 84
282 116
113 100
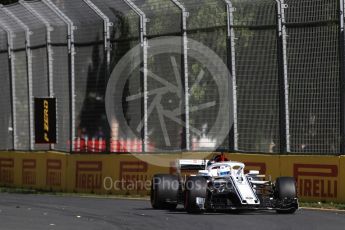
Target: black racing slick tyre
285 190
164 191
286 187
195 187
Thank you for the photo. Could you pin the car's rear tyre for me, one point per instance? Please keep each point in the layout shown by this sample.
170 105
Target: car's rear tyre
195 186
285 189
164 191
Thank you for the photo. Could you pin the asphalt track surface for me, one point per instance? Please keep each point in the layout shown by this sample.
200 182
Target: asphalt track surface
35 212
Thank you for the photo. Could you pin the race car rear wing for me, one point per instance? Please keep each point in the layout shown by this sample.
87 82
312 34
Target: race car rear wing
191 165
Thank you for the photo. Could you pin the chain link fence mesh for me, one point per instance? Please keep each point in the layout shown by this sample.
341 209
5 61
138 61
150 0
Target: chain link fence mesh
124 36
313 74
164 20
211 31
6 130
90 71
20 83
255 26
38 63
60 72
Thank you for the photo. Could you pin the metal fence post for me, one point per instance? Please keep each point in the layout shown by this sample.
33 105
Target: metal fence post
284 117
342 74
71 51
185 77
29 69
143 40
231 62
11 58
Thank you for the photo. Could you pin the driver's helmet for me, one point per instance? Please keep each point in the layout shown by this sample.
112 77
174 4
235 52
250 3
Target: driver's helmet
224 170
217 158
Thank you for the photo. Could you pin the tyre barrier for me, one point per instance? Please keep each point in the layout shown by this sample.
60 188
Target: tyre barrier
94 145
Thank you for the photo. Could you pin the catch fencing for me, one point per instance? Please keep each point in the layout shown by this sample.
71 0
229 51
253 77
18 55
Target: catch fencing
263 76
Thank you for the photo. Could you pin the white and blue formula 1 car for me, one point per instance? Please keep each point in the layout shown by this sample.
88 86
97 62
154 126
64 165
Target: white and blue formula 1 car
222 185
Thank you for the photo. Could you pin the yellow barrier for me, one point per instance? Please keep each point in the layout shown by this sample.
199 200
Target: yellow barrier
31 168
319 178
133 175
85 173
341 194
56 171
7 169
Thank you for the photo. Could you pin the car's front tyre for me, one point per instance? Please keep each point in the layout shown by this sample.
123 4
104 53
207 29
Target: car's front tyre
195 188
285 192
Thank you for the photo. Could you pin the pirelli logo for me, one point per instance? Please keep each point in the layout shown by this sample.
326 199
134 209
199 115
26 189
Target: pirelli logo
54 172
314 180
134 174
6 171
89 174
29 172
